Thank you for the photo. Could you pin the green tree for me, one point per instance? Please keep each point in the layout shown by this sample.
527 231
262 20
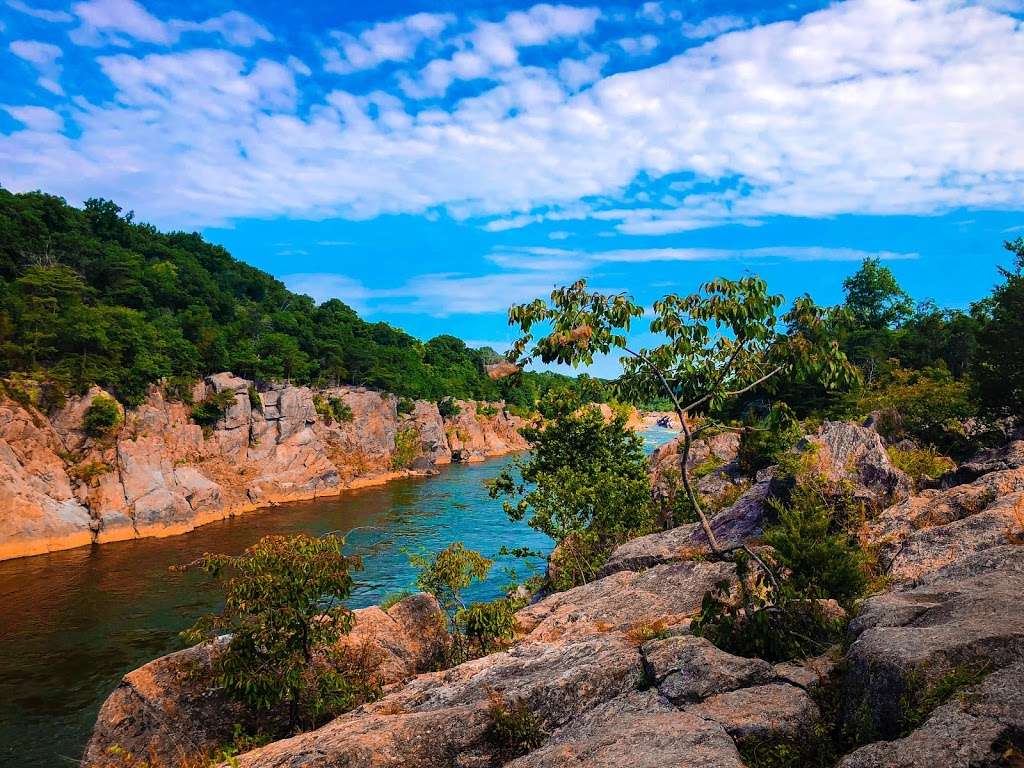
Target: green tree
584 484
1000 366
874 298
720 342
445 575
283 603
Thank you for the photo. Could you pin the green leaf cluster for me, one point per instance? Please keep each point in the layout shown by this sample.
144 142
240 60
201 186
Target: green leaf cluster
283 609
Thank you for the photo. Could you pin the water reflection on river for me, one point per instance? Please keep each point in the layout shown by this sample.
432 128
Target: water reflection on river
72 623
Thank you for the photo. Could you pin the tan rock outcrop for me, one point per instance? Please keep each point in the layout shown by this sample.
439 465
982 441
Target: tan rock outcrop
172 709
161 474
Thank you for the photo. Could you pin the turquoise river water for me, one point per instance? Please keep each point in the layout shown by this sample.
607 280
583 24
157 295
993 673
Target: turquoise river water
72 623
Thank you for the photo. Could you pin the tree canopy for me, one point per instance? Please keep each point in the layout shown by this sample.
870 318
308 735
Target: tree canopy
90 296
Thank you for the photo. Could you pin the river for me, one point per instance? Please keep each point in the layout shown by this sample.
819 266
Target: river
73 622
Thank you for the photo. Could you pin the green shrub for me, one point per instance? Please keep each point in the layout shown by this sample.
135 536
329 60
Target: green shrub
405 406
407 447
90 472
332 409
764 441
585 484
920 463
487 626
820 561
776 629
448 408
514 729
255 401
340 410
928 406
284 607
211 410
445 575
486 409
102 417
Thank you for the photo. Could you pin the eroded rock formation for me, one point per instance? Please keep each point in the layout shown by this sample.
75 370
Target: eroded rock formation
161 474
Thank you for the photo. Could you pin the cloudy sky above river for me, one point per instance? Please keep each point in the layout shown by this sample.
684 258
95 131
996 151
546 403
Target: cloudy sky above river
431 162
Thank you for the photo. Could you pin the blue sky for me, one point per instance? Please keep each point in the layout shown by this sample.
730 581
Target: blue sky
430 163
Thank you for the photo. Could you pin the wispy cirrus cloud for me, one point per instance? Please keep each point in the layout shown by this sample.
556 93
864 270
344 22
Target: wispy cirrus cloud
526 272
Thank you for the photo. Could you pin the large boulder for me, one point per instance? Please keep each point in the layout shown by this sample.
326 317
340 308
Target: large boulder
982 726
1009 456
172 709
636 730
763 713
39 510
964 616
443 719
687 669
736 524
667 595
854 456
939 527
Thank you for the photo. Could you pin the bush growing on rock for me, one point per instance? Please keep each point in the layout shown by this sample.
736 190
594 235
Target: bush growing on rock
102 417
407 447
584 484
448 408
821 559
211 410
921 464
764 441
445 575
514 729
284 609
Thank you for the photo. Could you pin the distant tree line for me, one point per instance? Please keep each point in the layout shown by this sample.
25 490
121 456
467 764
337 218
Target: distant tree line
90 296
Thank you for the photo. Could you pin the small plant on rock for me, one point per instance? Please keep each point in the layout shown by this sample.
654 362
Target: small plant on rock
102 417
407 447
514 729
448 408
211 410
446 575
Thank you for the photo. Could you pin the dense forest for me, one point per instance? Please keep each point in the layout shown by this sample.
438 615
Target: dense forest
89 296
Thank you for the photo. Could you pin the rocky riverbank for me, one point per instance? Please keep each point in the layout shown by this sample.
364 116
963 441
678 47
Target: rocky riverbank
161 474
611 676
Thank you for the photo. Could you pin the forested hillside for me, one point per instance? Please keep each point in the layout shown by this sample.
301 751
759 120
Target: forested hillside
89 296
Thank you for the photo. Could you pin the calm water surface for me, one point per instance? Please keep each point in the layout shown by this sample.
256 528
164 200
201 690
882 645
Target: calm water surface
72 623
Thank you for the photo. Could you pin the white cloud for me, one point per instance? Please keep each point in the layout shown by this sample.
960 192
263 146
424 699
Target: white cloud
35 119
120 22
236 28
827 115
577 73
42 56
491 47
531 271
44 14
713 26
383 42
638 45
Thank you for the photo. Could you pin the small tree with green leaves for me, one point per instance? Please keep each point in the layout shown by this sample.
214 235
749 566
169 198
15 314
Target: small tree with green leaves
584 484
718 343
283 604
445 575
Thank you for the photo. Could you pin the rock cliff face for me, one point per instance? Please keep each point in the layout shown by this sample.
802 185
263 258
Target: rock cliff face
161 474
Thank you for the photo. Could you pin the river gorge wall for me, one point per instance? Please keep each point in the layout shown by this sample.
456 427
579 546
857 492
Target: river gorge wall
161 474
